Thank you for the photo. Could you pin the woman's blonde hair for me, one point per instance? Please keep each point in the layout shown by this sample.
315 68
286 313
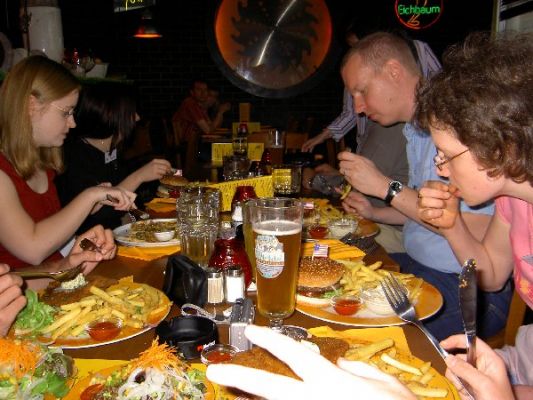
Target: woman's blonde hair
47 81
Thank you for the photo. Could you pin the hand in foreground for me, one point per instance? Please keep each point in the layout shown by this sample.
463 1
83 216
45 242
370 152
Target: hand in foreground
105 250
489 381
363 174
437 204
12 299
153 170
321 379
357 203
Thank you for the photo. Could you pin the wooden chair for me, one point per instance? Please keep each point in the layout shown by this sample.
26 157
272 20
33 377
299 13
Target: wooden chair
517 311
294 141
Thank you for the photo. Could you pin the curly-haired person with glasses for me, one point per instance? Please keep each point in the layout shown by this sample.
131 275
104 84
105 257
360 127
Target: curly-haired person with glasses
479 113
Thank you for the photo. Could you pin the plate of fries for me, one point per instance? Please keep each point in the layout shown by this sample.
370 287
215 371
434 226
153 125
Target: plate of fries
141 233
326 212
359 278
139 307
384 353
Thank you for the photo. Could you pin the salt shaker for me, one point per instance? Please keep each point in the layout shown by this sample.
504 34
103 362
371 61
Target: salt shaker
234 283
215 286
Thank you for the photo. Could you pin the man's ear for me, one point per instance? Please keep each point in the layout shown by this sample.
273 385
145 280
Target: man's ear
393 69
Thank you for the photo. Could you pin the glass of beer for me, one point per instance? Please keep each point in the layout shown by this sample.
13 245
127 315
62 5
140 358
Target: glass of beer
249 235
277 230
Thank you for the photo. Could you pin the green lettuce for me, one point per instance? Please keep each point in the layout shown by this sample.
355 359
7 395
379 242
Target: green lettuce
35 316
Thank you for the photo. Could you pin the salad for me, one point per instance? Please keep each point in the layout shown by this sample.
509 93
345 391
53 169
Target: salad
29 371
34 317
157 373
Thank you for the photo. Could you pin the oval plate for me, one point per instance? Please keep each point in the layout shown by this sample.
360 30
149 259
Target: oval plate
121 236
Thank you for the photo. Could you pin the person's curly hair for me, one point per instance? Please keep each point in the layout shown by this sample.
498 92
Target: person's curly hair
484 94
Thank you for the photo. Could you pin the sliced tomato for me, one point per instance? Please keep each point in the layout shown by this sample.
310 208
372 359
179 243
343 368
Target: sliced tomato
91 391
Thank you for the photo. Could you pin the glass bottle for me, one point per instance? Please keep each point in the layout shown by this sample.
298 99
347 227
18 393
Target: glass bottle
229 252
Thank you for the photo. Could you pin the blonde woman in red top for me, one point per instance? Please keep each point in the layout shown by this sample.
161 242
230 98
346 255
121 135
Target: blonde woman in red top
37 102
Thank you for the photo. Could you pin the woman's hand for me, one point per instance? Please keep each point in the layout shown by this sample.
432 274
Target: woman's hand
105 250
114 196
437 204
488 379
155 169
320 378
12 299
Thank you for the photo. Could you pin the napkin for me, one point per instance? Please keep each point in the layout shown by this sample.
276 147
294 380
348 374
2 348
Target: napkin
369 334
262 187
162 205
147 253
337 250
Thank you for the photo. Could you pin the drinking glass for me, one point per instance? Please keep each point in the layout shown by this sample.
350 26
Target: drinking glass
249 236
235 167
287 179
198 210
277 231
240 145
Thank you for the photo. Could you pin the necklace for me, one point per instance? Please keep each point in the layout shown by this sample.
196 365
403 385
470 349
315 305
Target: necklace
103 145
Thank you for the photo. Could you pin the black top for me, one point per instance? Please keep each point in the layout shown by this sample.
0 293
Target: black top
86 166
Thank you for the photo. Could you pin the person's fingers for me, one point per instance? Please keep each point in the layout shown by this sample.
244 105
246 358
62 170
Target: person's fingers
454 342
254 381
9 295
10 280
4 268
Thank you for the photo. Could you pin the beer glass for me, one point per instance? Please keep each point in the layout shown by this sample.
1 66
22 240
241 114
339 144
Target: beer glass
277 231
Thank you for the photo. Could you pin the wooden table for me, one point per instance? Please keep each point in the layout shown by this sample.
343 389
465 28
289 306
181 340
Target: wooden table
153 273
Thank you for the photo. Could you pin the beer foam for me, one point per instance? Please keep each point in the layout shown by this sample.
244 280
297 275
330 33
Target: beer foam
277 228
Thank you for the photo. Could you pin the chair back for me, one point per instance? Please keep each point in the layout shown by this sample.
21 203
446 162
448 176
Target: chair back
294 141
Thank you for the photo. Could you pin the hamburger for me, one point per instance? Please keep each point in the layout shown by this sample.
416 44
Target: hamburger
170 183
317 279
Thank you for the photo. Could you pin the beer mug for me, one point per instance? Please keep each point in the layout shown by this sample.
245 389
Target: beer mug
277 231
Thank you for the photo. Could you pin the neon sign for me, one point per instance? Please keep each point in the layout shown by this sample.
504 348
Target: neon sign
418 14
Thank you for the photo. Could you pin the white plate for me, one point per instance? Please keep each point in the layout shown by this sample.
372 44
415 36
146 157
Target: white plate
121 236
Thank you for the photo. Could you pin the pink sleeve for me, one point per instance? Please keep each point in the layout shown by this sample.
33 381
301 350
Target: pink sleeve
503 208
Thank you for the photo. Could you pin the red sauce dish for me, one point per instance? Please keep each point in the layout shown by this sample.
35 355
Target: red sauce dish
345 304
104 329
218 353
318 231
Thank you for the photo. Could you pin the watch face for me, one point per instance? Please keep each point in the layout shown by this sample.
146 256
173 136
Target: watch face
396 186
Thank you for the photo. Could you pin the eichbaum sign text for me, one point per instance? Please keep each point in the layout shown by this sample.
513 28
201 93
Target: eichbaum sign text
418 14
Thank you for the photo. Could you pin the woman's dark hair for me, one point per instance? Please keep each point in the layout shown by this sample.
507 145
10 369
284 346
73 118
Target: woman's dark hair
106 109
484 94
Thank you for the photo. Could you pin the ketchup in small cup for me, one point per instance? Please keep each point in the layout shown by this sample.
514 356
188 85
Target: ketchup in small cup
104 328
318 231
218 353
346 304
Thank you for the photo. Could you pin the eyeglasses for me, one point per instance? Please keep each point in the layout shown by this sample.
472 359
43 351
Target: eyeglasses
439 161
66 113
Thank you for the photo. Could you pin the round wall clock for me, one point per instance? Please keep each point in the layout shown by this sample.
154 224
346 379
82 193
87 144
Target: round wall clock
272 48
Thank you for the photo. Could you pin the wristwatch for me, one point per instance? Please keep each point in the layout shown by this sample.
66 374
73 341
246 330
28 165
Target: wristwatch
395 187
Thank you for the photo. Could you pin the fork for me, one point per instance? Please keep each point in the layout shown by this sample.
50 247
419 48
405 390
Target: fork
60 276
397 296
133 213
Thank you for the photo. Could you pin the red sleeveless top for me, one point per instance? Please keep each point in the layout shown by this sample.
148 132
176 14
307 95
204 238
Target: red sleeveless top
38 206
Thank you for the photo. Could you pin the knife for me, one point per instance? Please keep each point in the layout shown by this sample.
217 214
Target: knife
468 303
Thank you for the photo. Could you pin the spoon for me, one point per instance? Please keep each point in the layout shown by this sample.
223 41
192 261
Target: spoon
60 276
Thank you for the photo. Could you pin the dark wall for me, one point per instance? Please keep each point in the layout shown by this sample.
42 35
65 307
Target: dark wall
163 68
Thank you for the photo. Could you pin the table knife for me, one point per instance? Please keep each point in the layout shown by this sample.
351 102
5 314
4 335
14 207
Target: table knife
468 303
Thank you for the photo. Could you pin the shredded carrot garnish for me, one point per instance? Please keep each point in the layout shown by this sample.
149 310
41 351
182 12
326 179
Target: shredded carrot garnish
22 356
157 356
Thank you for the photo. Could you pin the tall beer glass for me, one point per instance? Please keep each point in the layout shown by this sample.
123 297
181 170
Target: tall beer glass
277 231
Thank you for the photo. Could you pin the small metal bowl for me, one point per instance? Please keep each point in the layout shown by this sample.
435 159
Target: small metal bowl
218 353
164 236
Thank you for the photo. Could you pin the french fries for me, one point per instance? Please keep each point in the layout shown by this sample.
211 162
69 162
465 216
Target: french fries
384 355
137 305
359 276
